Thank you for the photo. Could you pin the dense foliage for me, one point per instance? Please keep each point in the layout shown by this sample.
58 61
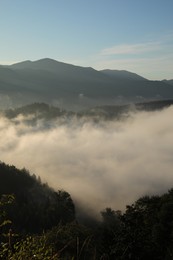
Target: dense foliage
44 226
37 207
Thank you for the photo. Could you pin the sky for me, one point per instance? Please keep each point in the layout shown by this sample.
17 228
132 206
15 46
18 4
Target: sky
133 35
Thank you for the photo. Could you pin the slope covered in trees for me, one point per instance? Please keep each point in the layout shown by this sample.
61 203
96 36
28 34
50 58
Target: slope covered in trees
143 231
36 111
36 207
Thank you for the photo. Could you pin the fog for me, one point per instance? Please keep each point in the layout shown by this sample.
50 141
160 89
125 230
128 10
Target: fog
109 164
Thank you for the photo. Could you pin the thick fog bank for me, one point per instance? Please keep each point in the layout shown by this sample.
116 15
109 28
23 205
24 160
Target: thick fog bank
109 164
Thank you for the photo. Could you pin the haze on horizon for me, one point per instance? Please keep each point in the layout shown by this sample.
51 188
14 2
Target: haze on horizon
136 36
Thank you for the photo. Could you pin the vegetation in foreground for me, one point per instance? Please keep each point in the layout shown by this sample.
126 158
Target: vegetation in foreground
38 223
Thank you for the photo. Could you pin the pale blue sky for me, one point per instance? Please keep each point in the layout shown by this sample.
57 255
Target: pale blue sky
134 35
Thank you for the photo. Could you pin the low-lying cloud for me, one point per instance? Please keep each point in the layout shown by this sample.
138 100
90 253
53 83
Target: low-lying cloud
109 164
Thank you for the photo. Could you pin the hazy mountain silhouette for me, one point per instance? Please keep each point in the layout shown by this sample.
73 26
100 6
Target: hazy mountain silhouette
122 74
168 81
71 86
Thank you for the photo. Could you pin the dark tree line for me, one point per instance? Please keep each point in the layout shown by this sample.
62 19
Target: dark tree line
46 227
108 112
36 207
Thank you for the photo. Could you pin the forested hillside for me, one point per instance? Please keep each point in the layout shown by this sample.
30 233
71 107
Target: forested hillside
42 111
38 223
36 207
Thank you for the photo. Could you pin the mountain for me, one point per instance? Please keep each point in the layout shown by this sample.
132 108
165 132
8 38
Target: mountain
73 87
122 74
168 81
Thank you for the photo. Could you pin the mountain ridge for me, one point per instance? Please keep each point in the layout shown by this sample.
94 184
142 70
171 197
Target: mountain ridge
123 74
50 61
51 81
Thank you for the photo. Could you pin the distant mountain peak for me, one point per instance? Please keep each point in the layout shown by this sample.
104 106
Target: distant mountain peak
46 60
22 64
43 64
